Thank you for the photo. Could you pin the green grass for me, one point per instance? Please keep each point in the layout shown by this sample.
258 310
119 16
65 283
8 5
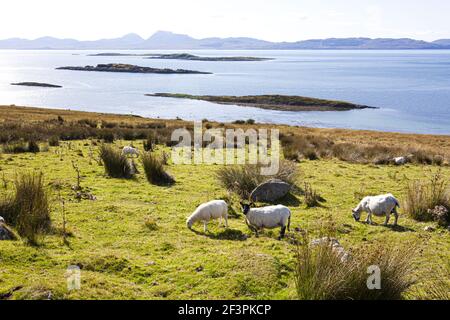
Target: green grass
132 243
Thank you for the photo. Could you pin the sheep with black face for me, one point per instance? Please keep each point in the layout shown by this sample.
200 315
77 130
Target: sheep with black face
267 218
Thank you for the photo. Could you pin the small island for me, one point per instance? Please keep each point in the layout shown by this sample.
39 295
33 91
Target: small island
187 56
272 102
36 84
179 56
128 68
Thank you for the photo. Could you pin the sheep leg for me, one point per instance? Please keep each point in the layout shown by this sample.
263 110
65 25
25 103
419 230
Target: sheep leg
282 233
369 218
388 215
226 222
220 221
395 217
205 226
252 228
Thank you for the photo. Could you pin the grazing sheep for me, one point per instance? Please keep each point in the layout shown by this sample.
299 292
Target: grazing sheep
378 205
130 151
216 209
336 247
267 217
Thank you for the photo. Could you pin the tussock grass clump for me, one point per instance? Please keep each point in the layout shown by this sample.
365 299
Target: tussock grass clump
21 147
321 274
424 195
312 198
154 170
116 165
151 224
28 210
53 141
243 179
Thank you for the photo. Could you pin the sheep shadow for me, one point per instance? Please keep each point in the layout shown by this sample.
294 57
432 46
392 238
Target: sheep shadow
227 234
396 228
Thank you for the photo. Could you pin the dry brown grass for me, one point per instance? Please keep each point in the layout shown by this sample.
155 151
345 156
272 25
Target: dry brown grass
321 274
426 144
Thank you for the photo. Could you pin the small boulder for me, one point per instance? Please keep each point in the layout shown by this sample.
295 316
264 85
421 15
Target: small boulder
270 191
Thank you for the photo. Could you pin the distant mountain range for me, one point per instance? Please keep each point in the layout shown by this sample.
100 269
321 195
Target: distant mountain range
169 40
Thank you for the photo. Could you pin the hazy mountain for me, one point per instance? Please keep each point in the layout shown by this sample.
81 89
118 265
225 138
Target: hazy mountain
443 42
169 40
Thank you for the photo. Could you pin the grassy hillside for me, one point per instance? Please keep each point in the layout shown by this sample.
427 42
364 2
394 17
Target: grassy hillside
132 242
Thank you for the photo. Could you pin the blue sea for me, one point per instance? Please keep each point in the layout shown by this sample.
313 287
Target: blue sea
410 88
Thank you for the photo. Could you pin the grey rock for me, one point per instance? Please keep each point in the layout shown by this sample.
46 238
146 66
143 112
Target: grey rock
270 191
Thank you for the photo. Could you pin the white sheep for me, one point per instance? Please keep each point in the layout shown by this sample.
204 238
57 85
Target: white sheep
399 161
2 220
128 150
336 247
378 205
216 209
267 217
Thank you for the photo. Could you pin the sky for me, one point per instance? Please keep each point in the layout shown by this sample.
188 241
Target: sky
274 20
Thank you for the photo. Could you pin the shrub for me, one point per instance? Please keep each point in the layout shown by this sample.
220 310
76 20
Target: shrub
53 141
18 147
150 142
88 123
312 198
33 146
154 170
320 274
243 179
107 136
424 195
116 165
28 210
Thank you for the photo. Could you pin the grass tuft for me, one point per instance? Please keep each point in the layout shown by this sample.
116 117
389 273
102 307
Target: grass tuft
28 210
320 274
424 195
154 170
116 165
243 179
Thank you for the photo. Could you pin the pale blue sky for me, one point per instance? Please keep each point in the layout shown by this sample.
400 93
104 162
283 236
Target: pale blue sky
276 20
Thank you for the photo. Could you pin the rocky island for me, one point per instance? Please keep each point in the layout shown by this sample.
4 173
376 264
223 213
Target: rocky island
187 56
128 68
36 84
272 102
179 56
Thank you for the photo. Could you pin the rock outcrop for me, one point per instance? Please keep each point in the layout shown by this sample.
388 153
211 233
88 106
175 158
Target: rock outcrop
270 191
129 68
